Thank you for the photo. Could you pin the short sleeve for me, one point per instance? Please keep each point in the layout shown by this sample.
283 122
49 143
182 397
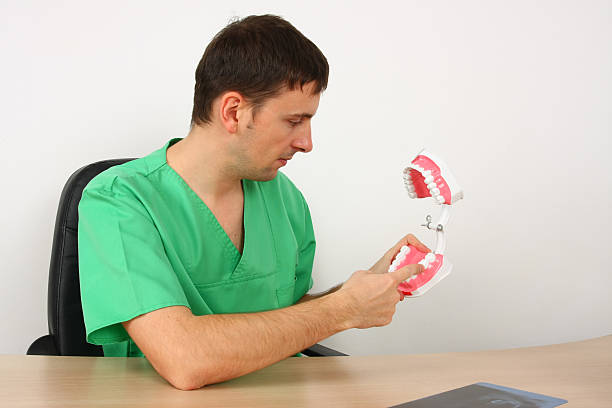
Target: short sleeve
123 268
307 246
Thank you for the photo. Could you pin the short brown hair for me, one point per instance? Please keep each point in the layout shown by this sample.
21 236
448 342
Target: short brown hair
256 56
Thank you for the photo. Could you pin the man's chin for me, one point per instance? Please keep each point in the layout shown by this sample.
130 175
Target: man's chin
267 175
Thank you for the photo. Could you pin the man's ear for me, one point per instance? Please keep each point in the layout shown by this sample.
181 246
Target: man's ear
231 110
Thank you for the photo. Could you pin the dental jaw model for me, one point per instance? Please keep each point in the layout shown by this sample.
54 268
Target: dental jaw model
428 176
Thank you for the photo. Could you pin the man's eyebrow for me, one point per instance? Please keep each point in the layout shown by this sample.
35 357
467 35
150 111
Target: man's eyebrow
301 115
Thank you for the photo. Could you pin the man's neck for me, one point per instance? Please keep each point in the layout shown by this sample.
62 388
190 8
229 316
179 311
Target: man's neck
201 162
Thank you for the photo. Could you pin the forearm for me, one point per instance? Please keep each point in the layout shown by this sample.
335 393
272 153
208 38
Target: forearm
232 345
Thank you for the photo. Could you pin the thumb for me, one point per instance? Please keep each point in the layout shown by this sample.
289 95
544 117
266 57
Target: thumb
392 253
406 272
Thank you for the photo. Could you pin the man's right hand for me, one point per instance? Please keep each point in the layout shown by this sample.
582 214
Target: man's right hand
369 298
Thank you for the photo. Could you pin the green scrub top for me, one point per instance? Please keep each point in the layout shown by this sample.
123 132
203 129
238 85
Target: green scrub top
147 241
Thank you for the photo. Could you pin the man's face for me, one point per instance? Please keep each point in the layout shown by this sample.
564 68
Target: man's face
280 129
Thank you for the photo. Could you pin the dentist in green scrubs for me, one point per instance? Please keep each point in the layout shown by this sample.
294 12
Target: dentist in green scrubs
199 255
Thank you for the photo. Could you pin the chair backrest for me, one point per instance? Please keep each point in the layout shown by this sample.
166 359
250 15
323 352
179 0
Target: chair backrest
64 310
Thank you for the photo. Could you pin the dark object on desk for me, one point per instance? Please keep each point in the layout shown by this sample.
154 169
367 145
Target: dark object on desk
484 395
64 311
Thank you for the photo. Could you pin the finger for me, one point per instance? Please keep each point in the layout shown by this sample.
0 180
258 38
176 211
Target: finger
414 241
406 272
392 253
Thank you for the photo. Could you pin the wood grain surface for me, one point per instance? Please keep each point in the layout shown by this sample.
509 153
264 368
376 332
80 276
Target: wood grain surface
580 372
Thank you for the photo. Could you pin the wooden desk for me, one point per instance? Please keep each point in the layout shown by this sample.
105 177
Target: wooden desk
580 372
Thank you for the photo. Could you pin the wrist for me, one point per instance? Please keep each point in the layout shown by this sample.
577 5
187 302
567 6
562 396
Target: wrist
340 308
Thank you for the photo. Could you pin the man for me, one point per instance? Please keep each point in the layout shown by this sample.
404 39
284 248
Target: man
199 255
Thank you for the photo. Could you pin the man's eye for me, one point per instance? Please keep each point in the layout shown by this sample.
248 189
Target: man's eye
294 123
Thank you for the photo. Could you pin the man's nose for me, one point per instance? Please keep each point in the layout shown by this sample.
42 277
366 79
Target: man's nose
304 141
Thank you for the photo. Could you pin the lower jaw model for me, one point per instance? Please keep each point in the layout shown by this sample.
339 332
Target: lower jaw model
428 176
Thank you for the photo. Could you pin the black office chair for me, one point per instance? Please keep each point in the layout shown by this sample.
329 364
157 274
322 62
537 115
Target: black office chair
64 311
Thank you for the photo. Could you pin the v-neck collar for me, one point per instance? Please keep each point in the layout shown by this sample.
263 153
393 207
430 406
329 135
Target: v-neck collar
222 233
259 251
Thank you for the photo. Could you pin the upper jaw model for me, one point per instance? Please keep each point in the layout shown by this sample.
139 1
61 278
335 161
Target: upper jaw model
428 176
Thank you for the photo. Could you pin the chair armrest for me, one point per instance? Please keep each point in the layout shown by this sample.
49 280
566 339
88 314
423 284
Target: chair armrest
43 346
318 350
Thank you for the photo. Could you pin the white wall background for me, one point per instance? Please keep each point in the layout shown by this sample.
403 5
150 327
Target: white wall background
516 96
